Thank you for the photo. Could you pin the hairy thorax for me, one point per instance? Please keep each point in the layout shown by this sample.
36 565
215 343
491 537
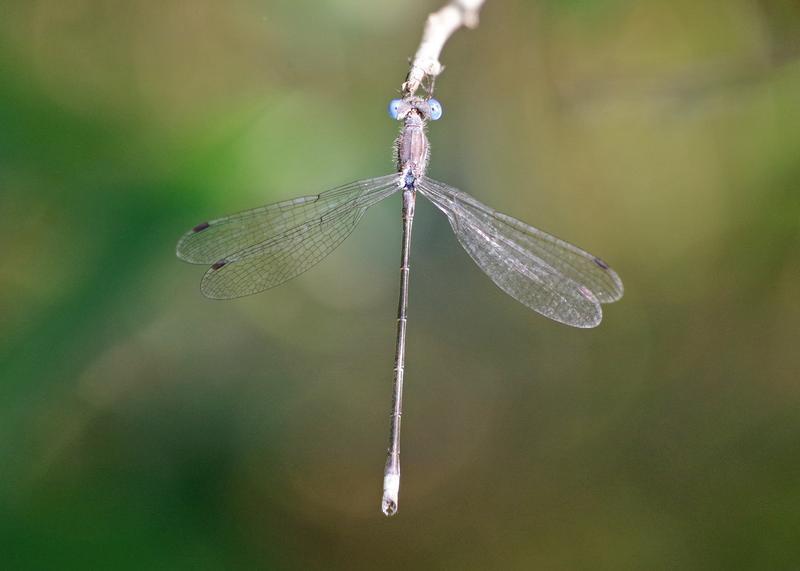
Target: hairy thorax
412 148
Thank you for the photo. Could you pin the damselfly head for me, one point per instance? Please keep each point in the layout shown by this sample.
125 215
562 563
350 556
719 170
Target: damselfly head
430 109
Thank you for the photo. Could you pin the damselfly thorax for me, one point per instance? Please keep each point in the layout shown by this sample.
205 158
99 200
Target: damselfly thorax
412 149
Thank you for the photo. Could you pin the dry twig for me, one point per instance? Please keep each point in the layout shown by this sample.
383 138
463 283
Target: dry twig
438 29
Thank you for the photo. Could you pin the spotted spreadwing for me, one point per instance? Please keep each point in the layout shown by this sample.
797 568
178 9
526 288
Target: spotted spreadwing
264 247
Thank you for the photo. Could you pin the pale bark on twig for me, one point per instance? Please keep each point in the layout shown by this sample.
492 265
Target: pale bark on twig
438 29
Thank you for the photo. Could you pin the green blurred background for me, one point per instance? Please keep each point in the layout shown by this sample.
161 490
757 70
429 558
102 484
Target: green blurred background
145 427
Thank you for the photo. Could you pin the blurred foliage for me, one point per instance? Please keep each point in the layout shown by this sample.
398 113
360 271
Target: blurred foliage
145 427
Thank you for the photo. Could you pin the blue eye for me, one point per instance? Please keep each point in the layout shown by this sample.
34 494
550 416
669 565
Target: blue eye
436 109
394 108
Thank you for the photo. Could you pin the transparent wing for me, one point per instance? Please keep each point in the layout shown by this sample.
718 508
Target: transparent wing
546 274
209 241
265 247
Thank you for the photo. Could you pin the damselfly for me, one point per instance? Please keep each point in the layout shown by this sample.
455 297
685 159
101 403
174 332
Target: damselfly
261 248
